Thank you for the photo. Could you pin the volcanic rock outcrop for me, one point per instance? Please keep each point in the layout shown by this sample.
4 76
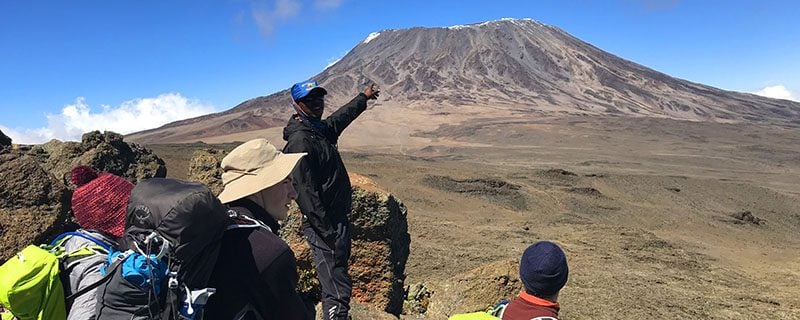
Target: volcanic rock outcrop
380 239
106 152
474 290
35 191
5 141
379 251
204 167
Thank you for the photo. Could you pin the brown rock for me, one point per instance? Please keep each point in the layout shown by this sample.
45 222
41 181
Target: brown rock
475 290
32 204
105 152
418 297
379 251
204 167
35 190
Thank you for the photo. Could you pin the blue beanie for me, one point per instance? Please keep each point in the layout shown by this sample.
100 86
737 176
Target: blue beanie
302 89
543 268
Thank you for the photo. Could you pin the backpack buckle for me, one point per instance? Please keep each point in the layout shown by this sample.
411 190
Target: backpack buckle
173 280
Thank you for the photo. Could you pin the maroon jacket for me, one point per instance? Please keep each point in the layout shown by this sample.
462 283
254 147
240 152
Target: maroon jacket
529 307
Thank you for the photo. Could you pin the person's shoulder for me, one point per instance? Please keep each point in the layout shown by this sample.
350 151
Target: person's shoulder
267 242
253 234
257 244
299 142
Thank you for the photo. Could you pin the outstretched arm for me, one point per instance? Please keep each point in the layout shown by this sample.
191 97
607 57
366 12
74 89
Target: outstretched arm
342 118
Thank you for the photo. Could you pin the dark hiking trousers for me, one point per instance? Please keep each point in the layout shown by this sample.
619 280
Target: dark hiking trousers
331 264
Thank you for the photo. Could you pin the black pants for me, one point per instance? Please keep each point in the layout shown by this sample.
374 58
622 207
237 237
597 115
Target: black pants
331 264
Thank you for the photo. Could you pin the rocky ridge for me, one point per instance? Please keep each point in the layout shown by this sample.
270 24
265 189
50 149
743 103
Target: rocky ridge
35 193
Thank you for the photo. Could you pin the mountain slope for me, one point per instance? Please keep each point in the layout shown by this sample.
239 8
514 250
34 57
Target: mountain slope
508 67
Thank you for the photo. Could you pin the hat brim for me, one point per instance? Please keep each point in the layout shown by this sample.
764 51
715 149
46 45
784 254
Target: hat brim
324 92
248 184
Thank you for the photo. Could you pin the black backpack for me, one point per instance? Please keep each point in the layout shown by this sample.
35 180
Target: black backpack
172 239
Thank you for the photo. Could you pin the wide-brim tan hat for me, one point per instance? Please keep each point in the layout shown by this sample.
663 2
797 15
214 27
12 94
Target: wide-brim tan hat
254 166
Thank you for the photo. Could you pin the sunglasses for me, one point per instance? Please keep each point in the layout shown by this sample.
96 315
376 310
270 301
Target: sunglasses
313 97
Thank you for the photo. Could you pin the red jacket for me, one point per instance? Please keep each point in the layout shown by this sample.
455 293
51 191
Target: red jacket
529 307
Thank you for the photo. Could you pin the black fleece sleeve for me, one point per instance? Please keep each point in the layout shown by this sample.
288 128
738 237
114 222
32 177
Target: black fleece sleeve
309 189
342 118
282 277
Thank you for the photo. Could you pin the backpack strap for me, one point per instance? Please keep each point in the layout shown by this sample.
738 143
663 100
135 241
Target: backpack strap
238 217
498 309
113 268
109 273
64 236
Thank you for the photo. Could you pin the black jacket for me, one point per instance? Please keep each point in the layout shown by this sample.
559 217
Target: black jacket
324 194
256 271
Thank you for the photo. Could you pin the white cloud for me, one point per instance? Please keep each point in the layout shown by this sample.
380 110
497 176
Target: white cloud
264 22
131 116
287 8
778 92
269 14
266 18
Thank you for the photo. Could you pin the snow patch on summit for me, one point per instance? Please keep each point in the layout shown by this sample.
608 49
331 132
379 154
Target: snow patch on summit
371 36
512 20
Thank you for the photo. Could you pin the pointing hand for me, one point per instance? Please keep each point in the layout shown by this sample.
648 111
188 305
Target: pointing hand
372 92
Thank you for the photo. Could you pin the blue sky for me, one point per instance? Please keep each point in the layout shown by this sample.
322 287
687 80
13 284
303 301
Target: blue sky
72 66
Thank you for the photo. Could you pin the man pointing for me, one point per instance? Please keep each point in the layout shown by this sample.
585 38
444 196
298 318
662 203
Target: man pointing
324 194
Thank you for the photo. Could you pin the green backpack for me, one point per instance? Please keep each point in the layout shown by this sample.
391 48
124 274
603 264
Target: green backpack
473 316
30 285
491 313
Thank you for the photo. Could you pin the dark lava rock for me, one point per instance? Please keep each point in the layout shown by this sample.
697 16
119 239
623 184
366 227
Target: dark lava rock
33 205
747 217
35 192
497 191
205 167
5 141
587 191
380 248
105 152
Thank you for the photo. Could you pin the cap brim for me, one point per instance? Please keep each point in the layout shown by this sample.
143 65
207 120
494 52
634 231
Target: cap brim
325 92
267 177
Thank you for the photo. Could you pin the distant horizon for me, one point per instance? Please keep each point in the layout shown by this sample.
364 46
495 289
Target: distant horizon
72 68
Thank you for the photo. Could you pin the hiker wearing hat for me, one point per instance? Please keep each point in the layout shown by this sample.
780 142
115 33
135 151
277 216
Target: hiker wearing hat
99 203
543 270
256 272
324 194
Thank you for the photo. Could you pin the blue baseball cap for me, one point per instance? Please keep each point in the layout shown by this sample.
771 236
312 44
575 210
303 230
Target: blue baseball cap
302 89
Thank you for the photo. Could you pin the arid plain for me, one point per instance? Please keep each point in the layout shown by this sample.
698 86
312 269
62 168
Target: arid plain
660 219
